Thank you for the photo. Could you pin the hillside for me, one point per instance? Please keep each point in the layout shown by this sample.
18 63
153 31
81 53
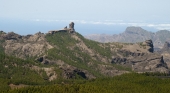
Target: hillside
61 56
127 83
133 35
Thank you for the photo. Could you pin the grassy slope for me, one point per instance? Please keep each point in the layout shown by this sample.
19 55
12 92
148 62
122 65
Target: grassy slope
127 83
16 71
67 51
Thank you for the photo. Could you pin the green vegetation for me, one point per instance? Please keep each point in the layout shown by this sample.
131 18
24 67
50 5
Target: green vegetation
102 49
126 83
17 71
67 51
1 47
20 72
120 67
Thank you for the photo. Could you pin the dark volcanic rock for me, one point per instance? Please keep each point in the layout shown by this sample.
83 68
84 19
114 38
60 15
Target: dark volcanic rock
71 25
118 60
73 73
11 35
43 60
149 45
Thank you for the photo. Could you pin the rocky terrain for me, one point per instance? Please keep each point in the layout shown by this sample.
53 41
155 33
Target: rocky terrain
165 52
133 35
67 54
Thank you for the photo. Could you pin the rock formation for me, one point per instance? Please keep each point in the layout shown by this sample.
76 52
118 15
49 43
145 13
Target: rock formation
71 26
74 55
11 35
43 60
26 46
149 63
141 60
145 63
149 45
65 29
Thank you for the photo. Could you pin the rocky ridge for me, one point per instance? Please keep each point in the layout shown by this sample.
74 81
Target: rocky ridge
141 61
84 57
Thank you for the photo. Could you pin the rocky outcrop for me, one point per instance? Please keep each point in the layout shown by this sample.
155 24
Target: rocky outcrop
26 46
127 53
65 29
73 74
149 63
148 45
141 58
43 60
71 25
118 60
11 35
165 52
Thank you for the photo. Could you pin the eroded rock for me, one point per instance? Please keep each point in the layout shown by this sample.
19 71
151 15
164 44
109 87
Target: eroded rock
148 45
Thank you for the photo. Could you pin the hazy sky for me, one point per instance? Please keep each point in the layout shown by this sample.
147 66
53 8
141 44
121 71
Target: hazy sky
45 14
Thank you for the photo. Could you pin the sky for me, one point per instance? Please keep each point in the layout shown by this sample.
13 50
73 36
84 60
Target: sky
90 16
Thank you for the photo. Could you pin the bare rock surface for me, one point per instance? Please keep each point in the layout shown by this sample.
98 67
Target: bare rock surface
149 63
27 46
140 58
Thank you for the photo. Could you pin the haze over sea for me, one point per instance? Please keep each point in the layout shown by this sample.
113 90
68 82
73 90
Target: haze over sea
90 16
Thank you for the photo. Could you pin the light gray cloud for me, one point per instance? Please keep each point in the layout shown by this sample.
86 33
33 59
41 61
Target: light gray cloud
115 22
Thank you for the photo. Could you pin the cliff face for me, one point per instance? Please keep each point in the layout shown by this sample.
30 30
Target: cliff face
141 60
165 52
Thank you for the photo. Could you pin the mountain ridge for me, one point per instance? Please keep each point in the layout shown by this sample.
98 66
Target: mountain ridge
134 34
65 54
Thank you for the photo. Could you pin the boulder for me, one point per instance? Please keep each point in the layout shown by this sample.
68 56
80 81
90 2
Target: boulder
43 60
